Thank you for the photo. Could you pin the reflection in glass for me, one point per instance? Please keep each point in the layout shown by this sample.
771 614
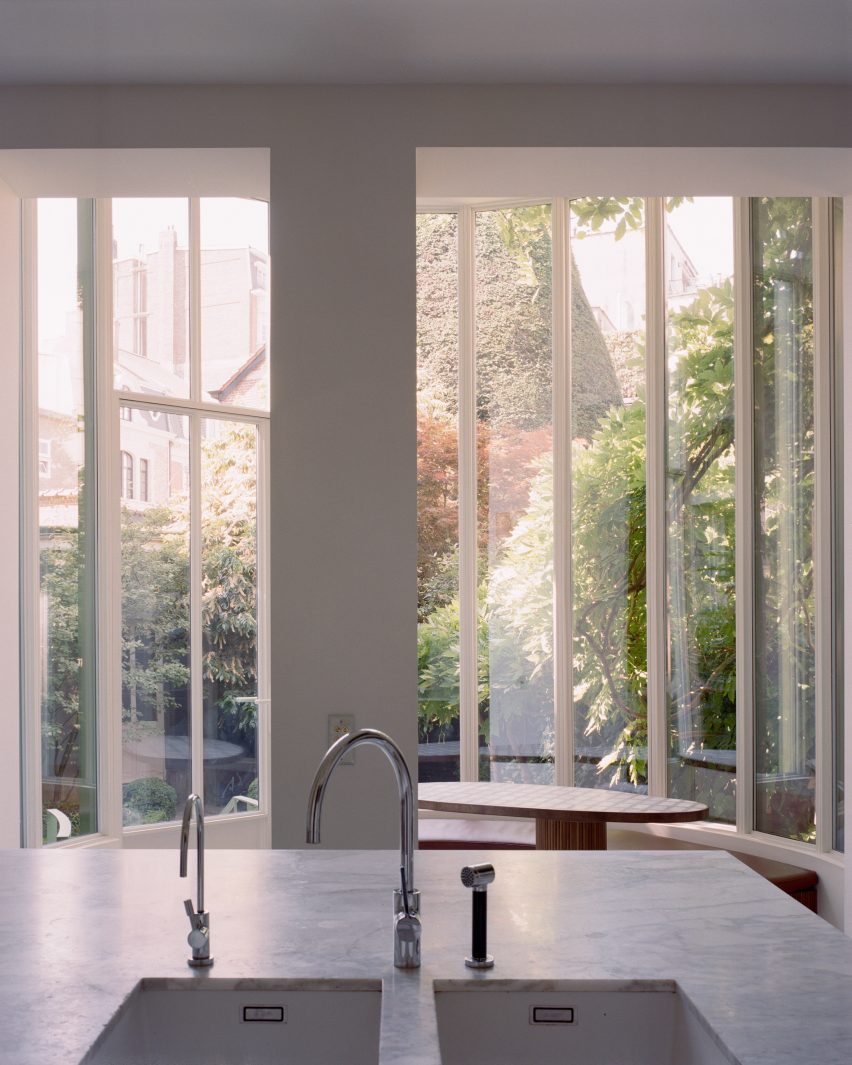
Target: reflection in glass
784 516
514 402
229 615
608 492
701 681
151 295
155 623
437 497
235 302
65 518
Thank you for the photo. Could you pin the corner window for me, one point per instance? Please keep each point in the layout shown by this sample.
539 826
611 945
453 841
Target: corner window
626 511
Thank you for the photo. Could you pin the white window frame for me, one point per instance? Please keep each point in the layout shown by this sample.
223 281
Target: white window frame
251 828
827 504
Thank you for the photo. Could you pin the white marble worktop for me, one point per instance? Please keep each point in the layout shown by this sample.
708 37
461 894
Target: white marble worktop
79 928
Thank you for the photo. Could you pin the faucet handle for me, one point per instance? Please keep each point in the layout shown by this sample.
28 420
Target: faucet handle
190 910
199 936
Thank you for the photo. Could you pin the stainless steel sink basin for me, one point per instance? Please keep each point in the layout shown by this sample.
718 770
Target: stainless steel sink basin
552 1022
244 1022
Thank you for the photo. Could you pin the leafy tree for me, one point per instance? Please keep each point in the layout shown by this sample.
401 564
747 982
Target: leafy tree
154 612
608 546
155 616
229 582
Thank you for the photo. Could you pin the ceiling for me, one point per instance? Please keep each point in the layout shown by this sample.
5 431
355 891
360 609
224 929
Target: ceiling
425 41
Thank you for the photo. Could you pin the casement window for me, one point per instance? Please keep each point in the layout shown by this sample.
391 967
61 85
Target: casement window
146 484
627 507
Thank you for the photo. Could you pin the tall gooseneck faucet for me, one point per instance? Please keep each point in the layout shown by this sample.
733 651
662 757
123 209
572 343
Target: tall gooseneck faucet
407 905
199 919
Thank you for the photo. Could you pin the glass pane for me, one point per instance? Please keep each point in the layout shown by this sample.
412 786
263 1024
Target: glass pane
701 681
437 497
65 511
151 295
155 629
784 514
608 492
235 302
514 401
229 615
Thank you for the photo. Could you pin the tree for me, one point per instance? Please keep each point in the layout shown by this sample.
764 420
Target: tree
155 642
608 544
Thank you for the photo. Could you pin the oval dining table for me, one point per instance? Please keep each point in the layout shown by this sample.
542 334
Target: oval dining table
565 818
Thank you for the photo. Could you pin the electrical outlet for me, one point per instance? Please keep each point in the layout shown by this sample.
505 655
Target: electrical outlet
339 725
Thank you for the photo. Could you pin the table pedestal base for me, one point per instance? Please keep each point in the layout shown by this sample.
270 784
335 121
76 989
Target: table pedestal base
570 835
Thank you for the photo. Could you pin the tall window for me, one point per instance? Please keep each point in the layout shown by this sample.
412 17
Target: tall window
151 388
617 402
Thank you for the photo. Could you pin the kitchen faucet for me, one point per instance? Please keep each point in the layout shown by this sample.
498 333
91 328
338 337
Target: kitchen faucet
407 929
199 920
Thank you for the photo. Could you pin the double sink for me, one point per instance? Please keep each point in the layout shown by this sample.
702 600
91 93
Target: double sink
479 1022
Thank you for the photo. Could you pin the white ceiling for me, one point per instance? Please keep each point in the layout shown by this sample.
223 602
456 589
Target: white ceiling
425 41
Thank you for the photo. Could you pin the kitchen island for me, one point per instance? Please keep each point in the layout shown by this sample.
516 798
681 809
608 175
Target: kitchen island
80 928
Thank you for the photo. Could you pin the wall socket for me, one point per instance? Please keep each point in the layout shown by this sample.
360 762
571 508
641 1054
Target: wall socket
339 725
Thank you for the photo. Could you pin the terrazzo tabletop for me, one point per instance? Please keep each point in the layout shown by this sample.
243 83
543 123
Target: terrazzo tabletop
80 928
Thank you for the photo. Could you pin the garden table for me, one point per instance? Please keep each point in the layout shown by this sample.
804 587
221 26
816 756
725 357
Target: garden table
565 818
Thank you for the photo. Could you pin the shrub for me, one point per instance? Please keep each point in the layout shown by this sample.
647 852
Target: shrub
149 800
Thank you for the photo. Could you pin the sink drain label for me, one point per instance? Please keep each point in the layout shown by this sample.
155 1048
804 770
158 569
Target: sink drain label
552 1015
265 1014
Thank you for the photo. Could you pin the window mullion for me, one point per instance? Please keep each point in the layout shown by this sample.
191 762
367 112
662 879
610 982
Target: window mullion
263 625
655 498
823 523
744 512
108 594
196 687
468 606
562 574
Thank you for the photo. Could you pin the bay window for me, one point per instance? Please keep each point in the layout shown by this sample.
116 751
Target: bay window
627 510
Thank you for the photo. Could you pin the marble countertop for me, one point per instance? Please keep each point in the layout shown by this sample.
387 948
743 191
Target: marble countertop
80 928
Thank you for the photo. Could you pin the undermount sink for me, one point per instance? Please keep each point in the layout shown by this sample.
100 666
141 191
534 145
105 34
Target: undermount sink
554 1022
244 1022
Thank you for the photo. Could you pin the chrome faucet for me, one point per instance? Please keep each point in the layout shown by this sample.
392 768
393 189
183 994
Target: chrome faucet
199 919
406 900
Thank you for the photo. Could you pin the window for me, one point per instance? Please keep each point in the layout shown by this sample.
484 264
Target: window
143 480
154 435
126 475
626 514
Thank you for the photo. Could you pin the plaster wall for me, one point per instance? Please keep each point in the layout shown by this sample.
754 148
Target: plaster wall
343 333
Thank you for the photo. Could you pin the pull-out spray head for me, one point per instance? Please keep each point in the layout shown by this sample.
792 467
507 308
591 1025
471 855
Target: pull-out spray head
478 877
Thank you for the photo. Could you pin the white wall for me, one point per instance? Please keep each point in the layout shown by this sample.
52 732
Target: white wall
10 216
343 379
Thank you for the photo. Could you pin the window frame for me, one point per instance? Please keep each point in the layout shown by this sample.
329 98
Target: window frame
107 477
828 509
